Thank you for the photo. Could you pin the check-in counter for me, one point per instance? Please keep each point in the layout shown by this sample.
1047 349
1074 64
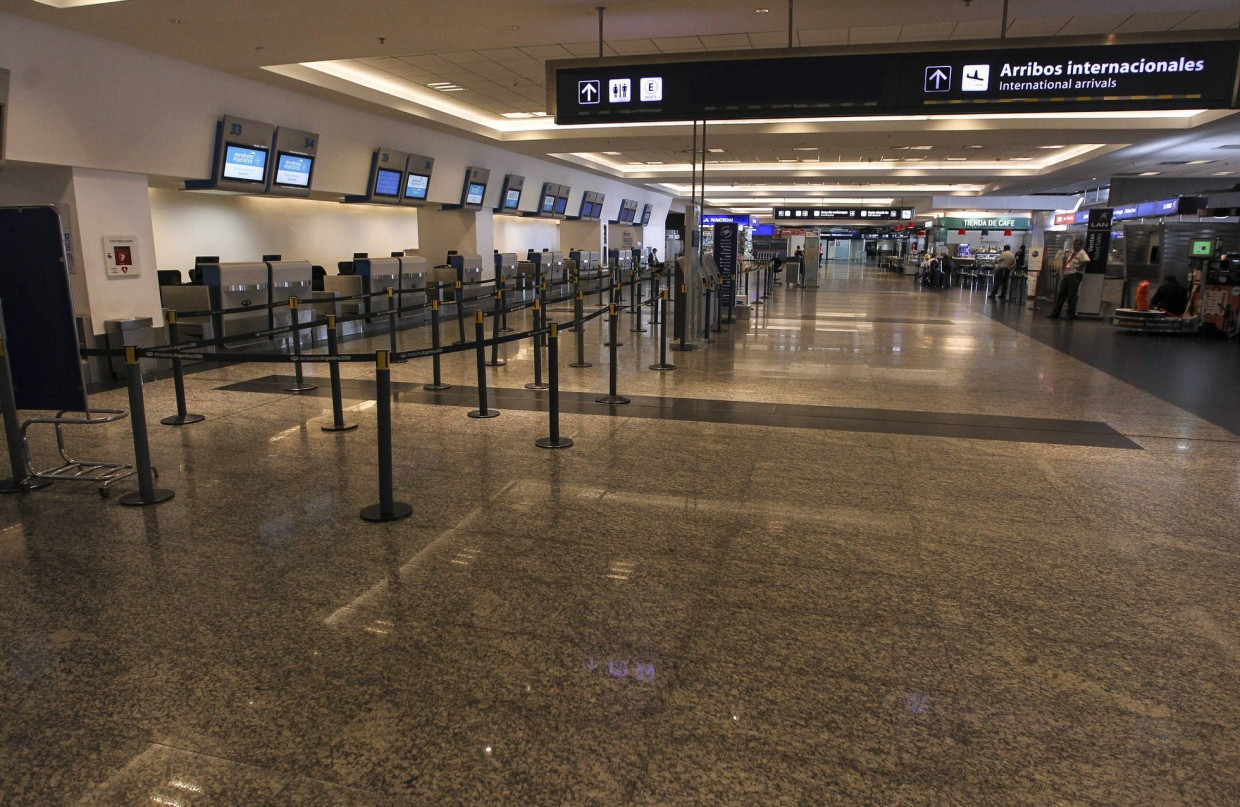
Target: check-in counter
507 267
345 286
468 269
291 279
621 259
188 298
378 274
238 285
413 285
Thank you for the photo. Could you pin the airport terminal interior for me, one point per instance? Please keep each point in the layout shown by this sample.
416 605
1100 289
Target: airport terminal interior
847 517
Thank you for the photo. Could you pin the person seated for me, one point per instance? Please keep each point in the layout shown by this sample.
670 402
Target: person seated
1171 297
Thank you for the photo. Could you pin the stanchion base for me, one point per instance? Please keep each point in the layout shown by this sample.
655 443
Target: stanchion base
581 364
507 330
343 427
459 342
684 348
496 363
614 400
24 486
374 512
662 367
490 413
436 387
135 499
395 360
301 388
637 330
537 386
182 420
617 344
547 442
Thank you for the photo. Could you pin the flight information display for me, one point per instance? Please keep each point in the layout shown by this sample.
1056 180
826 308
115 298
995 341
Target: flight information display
387 182
245 164
474 193
1089 76
416 185
293 170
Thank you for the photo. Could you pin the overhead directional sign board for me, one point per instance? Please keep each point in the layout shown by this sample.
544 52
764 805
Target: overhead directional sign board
1088 76
844 213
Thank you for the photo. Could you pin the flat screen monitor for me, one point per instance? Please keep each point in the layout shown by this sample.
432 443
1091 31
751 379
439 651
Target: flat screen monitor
548 203
474 192
561 204
416 185
596 210
293 170
646 214
1201 248
244 164
512 199
387 183
963 250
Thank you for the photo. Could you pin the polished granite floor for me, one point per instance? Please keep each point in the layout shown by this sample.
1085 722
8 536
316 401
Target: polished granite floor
852 600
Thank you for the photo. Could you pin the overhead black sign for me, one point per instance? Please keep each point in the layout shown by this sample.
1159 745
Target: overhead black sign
844 213
1081 77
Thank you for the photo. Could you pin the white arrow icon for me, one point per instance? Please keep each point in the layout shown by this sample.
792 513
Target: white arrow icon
587 92
938 78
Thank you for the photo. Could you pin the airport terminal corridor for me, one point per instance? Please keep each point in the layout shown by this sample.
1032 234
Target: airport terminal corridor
877 544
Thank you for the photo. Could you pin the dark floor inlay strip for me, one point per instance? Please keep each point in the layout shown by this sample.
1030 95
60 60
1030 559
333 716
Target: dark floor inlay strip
746 413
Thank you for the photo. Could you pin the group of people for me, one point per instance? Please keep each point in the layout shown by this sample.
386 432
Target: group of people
936 271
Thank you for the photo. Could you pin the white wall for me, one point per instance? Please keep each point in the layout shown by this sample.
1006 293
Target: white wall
513 234
244 228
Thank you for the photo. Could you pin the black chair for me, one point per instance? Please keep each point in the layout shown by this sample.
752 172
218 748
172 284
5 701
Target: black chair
316 280
168 277
345 268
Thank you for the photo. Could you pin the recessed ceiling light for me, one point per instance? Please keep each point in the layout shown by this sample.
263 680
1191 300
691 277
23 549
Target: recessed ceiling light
1050 147
805 148
612 153
761 11
445 86
1222 173
654 162
175 21
1200 162
1149 173
956 159
1022 159
715 151
975 147
920 148
514 27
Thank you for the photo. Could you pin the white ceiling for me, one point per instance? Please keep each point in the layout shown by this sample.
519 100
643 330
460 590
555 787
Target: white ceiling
384 53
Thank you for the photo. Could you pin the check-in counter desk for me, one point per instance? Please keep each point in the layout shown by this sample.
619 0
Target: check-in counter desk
468 270
621 259
188 298
343 286
238 285
291 279
506 266
412 287
378 275
552 266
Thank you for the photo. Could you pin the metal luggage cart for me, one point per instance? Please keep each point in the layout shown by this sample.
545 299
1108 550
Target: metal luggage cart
70 469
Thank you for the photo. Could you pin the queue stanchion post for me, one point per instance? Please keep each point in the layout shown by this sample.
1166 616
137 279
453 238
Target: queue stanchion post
388 509
747 287
706 316
579 316
183 416
683 301
480 351
538 383
612 397
299 384
460 312
503 312
147 493
654 295
393 313
436 364
617 284
495 360
718 309
333 369
633 291
662 365
731 302
637 307
554 440
21 480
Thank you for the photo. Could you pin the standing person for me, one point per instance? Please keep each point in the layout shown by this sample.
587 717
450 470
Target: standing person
1070 282
1170 297
799 256
1003 271
1021 259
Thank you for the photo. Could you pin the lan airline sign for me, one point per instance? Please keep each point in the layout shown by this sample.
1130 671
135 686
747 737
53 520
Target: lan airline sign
1089 76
